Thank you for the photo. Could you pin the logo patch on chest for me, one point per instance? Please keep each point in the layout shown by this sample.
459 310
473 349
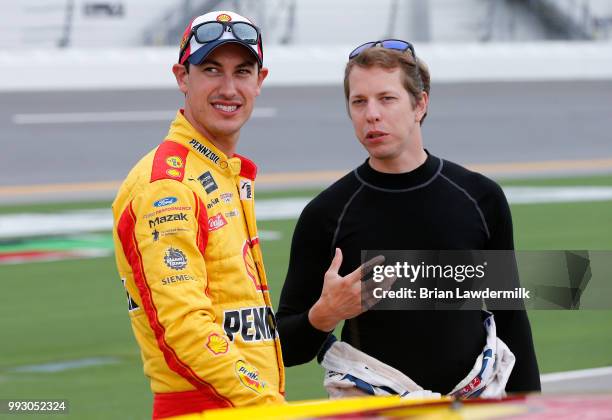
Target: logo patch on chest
216 222
208 182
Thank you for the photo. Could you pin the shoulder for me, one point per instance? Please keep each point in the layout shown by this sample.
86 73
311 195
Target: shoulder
475 184
169 162
333 199
158 175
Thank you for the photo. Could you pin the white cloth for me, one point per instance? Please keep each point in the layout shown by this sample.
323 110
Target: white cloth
350 372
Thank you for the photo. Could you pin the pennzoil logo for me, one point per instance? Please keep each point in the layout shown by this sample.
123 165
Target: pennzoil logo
252 324
205 151
174 161
249 376
175 173
224 17
217 344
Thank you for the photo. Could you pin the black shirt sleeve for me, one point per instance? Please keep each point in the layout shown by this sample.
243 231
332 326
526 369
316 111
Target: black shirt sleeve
309 259
513 326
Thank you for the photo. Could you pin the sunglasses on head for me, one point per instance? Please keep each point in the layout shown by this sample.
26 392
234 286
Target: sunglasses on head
211 31
391 44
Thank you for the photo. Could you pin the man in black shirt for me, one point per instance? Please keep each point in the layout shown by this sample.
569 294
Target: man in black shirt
401 198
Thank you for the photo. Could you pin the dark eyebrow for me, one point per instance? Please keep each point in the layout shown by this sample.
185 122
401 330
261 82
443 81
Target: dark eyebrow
213 62
246 63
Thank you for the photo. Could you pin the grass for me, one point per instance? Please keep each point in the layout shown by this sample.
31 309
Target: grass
59 311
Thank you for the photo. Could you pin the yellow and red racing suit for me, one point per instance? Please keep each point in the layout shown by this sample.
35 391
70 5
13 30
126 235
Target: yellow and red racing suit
188 254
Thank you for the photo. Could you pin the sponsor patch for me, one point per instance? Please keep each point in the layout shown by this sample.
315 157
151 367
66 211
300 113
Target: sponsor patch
166 201
174 161
232 213
184 40
216 222
249 376
208 182
224 17
226 197
246 189
175 173
249 265
212 203
252 324
132 306
173 231
178 217
205 151
175 259
165 210
179 278
217 344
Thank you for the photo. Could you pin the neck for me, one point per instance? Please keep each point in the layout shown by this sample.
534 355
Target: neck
227 144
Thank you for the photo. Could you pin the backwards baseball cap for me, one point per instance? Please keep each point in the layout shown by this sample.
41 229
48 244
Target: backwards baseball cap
207 32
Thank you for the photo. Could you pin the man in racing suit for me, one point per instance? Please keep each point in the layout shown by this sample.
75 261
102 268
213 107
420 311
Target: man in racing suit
186 241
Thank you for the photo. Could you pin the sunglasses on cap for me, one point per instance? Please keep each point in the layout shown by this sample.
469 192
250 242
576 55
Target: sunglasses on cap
211 31
391 44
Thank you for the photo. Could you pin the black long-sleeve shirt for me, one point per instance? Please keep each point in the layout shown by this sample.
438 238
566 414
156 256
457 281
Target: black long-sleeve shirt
439 205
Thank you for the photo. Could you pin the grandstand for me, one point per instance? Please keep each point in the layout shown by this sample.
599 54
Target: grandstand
105 23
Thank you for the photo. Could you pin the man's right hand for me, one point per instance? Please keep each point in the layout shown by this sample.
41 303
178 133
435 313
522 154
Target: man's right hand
341 297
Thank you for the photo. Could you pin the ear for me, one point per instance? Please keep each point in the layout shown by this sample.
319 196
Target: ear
263 73
182 77
421 106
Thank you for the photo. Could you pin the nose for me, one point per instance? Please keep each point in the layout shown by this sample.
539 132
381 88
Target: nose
372 112
227 89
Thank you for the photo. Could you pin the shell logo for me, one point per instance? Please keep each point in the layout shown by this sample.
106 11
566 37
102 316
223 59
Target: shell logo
249 376
174 173
249 264
224 17
174 161
217 344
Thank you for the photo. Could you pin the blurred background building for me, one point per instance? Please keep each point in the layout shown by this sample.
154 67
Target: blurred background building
122 23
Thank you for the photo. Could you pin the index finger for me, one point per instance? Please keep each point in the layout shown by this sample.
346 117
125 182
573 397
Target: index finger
365 268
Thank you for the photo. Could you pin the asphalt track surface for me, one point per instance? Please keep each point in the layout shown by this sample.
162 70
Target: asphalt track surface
306 129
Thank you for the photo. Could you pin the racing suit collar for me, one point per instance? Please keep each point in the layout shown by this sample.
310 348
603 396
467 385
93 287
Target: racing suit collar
182 132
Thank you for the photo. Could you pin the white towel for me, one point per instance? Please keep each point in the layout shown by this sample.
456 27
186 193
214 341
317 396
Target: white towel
350 372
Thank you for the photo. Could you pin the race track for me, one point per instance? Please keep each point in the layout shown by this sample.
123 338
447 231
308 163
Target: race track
94 137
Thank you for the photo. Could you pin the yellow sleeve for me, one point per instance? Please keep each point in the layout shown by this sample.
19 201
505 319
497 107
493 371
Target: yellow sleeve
163 233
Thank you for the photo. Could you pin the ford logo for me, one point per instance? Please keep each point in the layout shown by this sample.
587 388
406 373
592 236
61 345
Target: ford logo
166 201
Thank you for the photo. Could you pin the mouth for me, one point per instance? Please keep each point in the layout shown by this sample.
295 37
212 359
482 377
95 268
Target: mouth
226 108
375 135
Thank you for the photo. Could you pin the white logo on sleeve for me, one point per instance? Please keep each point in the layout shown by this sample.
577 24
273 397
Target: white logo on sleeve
246 189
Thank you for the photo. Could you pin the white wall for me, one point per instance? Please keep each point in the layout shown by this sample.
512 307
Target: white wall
78 69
